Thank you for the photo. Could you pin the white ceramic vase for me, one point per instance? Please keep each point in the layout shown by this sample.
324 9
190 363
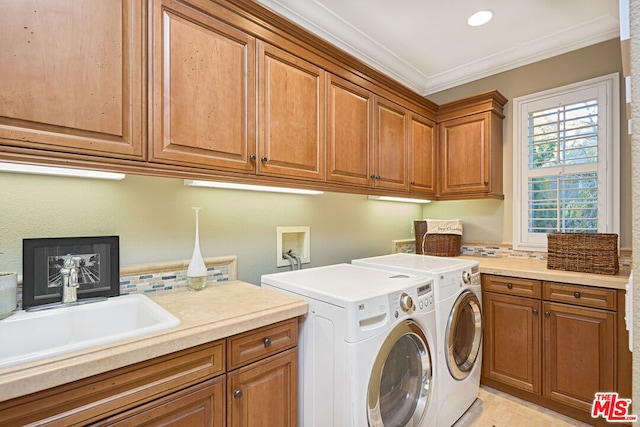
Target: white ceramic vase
8 299
197 271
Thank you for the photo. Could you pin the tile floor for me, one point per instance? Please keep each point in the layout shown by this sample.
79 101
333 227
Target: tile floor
494 408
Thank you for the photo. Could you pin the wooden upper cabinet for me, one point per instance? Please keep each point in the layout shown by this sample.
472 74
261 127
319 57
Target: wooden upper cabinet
390 152
349 126
203 90
72 76
422 155
291 115
471 147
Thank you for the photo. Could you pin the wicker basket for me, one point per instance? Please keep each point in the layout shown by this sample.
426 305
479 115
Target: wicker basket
436 244
584 252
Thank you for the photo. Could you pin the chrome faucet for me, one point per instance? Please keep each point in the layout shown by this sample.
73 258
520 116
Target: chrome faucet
69 272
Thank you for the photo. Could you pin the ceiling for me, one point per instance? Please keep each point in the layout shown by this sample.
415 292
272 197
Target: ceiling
428 46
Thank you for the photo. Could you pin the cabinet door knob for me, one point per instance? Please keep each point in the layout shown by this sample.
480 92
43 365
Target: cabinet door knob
509 286
267 342
264 159
486 183
252 157
237 394
547 314
535 311
377 176
413 183
373 177
576 294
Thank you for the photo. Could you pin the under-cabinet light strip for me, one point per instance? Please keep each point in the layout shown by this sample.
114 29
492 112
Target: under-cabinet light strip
59 171
233 186
399 199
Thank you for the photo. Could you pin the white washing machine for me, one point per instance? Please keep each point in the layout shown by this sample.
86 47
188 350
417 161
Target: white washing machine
366 347
458 297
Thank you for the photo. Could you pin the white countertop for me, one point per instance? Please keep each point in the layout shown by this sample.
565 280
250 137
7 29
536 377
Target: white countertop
537 269
219 311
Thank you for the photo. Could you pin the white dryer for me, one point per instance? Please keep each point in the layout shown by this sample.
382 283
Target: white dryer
366 348
458 296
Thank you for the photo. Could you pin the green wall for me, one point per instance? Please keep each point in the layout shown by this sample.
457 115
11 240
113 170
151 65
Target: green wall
155 222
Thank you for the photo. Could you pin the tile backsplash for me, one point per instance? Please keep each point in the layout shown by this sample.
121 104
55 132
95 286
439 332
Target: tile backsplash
496 250
161 277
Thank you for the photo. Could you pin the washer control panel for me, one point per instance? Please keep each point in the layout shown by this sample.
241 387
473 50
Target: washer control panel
412 300
470 276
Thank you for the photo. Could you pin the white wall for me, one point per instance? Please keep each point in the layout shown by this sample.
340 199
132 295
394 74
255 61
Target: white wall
635 143
155 222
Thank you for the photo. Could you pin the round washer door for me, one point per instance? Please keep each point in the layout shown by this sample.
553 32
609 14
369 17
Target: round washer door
401 378
463 335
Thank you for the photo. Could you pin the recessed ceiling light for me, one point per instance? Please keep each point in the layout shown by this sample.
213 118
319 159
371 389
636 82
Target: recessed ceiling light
481 17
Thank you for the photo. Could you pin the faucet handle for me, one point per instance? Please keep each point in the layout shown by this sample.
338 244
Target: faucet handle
73 261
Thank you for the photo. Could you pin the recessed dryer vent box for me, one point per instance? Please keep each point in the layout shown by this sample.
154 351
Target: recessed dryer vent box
296 240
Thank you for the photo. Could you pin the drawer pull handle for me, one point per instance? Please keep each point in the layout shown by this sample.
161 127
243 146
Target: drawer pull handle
576 294
535 311
547 314
267 342
237 394
509 286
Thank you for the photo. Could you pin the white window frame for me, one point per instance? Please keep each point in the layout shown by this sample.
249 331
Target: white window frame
608 89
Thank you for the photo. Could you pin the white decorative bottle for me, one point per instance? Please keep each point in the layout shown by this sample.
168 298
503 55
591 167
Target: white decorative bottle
197 271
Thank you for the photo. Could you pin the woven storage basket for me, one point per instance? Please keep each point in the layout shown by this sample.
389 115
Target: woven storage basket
584 252
436 244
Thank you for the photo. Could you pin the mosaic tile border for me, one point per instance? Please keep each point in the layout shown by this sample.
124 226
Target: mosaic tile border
497 250
154 278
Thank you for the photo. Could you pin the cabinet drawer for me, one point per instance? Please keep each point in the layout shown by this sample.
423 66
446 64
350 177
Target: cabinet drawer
587 296
512 286
260 343
103 395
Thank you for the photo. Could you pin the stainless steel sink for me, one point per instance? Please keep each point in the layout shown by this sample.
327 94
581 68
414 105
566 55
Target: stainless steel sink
29 336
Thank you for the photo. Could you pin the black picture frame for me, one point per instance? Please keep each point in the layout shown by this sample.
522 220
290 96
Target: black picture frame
42 259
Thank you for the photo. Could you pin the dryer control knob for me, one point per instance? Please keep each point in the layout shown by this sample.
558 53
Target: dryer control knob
466 277
406 302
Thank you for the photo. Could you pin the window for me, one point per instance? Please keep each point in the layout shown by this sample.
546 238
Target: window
566 162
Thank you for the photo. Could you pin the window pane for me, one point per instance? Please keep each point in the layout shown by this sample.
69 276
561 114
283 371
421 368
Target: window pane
564 135
566 203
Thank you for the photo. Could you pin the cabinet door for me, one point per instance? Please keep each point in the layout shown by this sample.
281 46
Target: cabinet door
512 341
422 155
203 90
465 156
349 124
72 76
264 393
291 102
200 405
390 152
579 353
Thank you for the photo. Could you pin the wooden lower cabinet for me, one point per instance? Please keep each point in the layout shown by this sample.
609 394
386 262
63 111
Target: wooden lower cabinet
264 393
512 341
579 354
248 379
556 346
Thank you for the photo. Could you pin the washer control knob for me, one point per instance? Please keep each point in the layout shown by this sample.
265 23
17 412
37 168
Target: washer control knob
466 277
406 302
